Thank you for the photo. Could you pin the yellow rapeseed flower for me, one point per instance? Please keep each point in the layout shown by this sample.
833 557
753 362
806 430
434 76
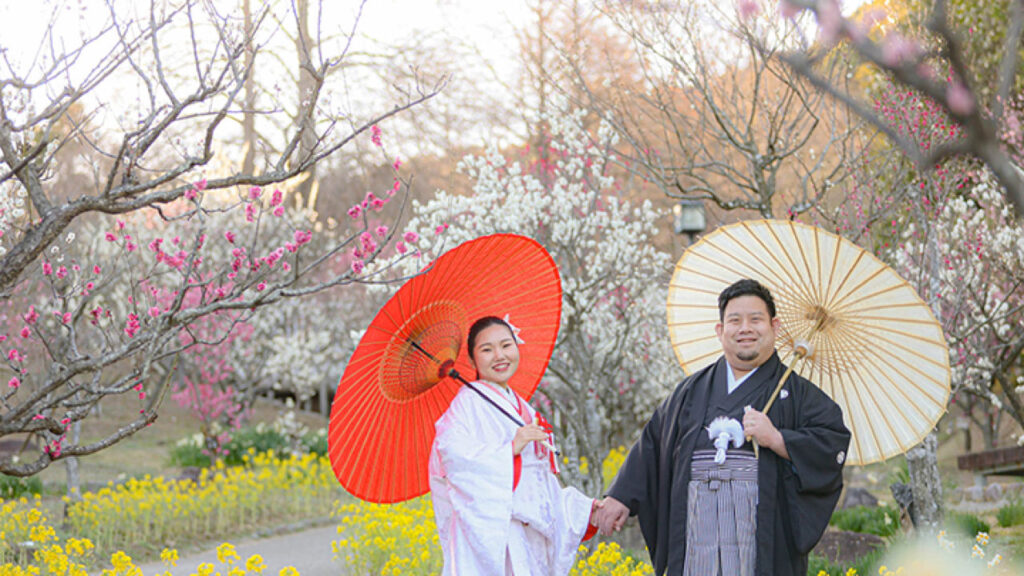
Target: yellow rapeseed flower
226 554
169 556
255 564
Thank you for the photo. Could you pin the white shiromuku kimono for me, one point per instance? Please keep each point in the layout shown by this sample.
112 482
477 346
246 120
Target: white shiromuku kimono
486 527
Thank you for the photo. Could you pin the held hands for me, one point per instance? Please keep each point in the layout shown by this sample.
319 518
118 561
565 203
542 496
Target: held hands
527 434
609 515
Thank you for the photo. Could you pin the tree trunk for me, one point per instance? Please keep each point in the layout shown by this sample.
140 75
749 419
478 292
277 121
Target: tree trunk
249 112
71 466
923 464
307 84
922 460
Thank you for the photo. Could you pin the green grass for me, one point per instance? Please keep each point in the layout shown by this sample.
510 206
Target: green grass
881 521
966 524
1010 515
867 564
147 451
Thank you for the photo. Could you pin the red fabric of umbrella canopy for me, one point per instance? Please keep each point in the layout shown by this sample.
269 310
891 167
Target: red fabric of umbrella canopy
382 419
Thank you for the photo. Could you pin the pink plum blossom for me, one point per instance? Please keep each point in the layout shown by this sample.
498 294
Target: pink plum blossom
276 197
748 8
959 98
14 382
375 135
357 266
229 236
789 9
411 237
132 325
830 21
896 49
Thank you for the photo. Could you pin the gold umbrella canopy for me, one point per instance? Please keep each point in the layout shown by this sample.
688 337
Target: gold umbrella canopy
876 347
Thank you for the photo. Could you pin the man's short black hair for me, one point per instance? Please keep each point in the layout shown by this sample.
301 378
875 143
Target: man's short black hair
745 287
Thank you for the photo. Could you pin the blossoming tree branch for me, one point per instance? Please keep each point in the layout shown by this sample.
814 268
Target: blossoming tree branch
935 67
128 216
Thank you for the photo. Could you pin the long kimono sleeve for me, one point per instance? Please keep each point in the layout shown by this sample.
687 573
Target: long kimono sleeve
471 484
817 450
636 483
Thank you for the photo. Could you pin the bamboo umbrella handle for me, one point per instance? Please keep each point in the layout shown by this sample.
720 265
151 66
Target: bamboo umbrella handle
801 350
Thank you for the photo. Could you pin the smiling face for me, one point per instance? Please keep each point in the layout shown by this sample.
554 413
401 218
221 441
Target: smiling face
495 354
747 333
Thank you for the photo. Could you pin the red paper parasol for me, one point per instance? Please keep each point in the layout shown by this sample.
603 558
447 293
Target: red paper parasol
382 420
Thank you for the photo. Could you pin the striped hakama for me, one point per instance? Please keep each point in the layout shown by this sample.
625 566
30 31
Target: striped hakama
721 515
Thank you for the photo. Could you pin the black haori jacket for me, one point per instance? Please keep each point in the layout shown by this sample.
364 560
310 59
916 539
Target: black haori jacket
795 498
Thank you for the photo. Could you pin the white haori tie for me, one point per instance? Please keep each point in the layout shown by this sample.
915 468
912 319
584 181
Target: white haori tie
722 431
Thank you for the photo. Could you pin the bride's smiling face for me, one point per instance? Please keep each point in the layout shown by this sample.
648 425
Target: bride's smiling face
495 354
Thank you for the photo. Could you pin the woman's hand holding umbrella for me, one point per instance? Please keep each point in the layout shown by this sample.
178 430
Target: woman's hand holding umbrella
529 433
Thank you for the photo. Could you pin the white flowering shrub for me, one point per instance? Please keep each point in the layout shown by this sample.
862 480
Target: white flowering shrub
967 256
612 363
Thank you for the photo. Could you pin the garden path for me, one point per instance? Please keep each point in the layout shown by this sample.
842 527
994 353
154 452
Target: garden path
308 551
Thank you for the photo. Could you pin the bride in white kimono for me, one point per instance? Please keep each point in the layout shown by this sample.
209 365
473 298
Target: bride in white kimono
499 507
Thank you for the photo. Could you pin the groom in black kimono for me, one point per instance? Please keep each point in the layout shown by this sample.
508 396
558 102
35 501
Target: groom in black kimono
798 473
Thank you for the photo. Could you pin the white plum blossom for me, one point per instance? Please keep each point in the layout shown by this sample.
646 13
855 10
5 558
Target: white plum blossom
968 257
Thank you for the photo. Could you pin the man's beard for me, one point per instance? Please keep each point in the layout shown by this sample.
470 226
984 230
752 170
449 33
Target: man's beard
747 356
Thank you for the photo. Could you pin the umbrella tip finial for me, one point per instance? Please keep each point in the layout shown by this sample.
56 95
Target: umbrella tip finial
444 370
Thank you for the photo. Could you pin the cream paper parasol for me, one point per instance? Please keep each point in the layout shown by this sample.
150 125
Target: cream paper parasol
850 324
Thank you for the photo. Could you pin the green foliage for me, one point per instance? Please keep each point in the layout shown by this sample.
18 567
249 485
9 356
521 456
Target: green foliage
900 475
1011 515
12 487
316 442
258 439
881 521
189 453
967 524
867 564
